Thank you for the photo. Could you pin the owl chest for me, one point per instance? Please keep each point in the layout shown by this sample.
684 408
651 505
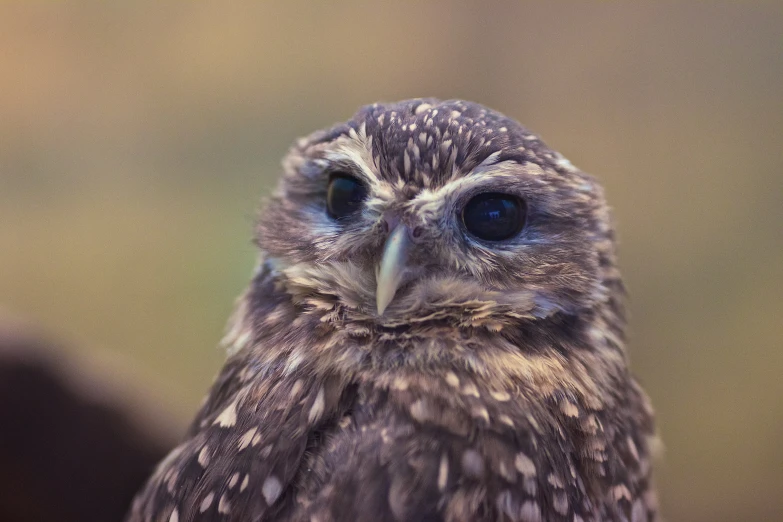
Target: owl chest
409 452
388 441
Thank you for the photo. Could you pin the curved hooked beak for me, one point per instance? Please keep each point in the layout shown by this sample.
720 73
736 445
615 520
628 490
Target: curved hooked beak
392 268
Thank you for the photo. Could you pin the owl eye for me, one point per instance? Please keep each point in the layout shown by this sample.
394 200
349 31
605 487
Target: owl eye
344 195
493 216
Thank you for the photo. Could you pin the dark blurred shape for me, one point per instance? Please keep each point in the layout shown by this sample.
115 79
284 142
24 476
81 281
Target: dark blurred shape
68 451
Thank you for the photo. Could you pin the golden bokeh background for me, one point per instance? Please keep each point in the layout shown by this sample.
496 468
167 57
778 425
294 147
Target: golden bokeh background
136 141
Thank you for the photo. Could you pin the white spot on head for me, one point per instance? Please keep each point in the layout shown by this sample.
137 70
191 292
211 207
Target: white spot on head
481 412
233 480
246 439
452 379
224 507
569 409
443 472
296 388
245 481
470 389
207 502
500 396
525 465
228 417
174 516
399 384
271 489
317 409
563 163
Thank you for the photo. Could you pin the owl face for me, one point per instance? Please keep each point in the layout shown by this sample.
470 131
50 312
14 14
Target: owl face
427 211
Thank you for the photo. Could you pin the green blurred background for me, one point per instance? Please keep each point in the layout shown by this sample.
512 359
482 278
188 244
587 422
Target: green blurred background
137 139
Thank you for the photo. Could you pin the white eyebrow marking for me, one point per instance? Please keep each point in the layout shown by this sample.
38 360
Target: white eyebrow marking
478 176
357 153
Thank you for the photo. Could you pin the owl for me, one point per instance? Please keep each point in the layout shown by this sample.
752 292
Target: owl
434 332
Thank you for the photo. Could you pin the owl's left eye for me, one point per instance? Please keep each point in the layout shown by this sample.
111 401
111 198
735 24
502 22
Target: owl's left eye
344 196
494 217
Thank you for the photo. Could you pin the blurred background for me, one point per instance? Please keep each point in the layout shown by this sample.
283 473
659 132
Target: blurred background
136 141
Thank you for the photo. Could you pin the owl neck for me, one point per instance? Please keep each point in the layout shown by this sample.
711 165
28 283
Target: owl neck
281 328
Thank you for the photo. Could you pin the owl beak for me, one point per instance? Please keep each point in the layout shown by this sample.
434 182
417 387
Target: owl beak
392 267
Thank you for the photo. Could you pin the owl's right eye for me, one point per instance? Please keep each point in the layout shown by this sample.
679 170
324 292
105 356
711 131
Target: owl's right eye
345 195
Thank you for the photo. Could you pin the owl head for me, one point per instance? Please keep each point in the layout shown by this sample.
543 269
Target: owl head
428 212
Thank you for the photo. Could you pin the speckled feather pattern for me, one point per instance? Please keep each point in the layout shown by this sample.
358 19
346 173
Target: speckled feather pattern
495 387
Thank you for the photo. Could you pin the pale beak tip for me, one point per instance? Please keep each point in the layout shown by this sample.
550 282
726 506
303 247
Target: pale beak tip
392 267
382 302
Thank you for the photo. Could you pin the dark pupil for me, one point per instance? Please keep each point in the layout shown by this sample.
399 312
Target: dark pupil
344 196
494 217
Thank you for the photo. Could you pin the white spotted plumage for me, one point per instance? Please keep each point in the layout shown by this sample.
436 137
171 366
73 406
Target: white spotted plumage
495 384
